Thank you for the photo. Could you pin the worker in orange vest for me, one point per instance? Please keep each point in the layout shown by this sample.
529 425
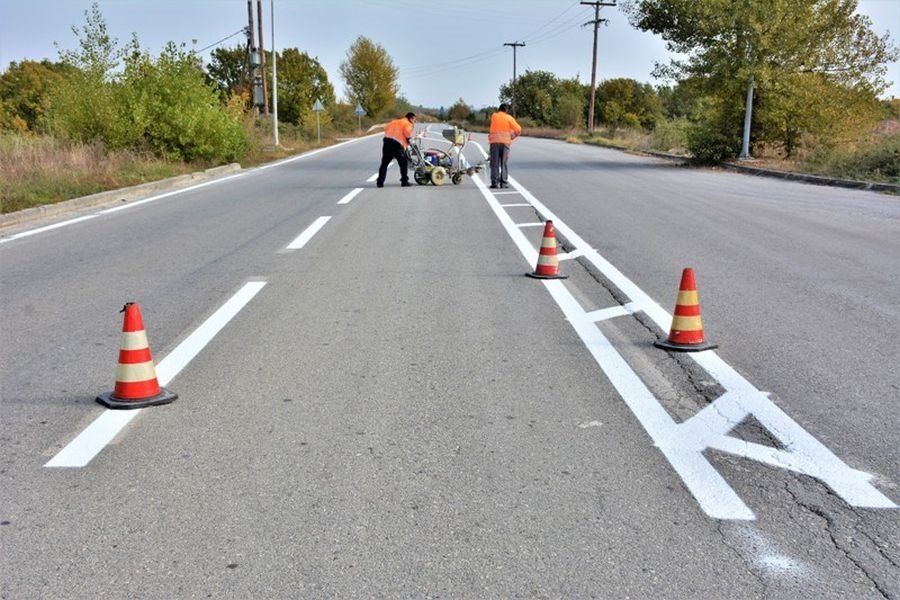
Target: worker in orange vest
504 129
397 134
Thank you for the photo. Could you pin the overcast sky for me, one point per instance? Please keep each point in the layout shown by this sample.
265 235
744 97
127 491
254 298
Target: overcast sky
444 50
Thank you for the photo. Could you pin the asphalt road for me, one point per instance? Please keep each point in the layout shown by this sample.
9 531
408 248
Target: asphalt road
392 409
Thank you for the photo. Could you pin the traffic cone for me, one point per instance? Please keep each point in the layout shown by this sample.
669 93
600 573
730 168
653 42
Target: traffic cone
686 334
547 263
136 383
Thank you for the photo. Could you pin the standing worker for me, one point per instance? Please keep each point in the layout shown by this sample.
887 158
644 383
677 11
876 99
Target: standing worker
397 134
504 129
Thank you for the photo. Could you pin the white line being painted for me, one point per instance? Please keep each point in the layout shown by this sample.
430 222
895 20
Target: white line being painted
346 199
80 451
683 444
308 233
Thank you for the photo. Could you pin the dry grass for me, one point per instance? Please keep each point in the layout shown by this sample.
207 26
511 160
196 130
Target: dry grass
41 170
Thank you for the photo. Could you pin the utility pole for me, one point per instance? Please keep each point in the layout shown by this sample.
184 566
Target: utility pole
596 22
252 58
262 58
274 81
514 46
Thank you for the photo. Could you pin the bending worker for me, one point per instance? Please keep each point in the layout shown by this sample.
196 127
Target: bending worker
397 134
504 129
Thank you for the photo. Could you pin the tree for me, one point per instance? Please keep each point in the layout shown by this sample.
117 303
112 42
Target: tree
784 47
301 81
627 103
24 88
570 104
229 69
370 76
460 111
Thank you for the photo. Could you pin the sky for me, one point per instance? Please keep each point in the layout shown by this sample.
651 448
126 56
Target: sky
444 50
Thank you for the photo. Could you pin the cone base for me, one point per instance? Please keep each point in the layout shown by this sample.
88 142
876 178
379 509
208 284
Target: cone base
539 276
667 345
163 397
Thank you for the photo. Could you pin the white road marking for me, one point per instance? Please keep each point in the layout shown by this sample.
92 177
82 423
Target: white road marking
47 228
522 225
346 199
307 234
512 205
174 192
684 444
80 451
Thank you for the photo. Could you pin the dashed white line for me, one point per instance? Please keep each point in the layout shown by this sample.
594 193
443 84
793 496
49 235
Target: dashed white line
80 451
346 199
308 233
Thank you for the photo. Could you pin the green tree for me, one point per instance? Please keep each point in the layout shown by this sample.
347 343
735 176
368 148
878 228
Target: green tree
460 111
175 111
781 47
628 103
83 106
24 88
533 93
301 81
370 76
569 104
229 68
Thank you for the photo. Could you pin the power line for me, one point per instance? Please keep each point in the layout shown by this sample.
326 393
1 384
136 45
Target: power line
239 31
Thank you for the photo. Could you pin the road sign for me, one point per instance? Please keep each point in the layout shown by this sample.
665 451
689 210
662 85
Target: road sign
317 107
359 111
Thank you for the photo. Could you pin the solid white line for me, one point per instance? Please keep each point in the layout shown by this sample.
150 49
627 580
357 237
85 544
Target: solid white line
529 224
308 233
684 444
46 228
180 191
372 178
511 205
346 199
80 451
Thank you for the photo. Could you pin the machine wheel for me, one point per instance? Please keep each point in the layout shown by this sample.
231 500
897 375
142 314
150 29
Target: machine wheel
421 178
438 175
456 179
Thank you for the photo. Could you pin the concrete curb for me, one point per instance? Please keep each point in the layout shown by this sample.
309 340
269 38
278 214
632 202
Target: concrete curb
816 179
119 196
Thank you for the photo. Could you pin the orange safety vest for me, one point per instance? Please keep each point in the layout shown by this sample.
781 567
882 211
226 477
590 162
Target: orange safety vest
400 130
503 128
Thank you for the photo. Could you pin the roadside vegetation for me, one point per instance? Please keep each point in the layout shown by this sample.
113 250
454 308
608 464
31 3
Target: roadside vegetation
107 115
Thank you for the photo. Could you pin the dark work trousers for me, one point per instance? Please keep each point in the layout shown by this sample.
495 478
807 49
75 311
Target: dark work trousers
390 150
499 158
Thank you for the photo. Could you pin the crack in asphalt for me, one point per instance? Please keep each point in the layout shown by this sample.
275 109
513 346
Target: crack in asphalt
832 525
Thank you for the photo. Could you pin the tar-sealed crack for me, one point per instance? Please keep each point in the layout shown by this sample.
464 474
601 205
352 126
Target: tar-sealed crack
844 536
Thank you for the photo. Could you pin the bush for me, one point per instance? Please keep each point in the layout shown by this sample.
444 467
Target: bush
176 112
878 160
707 144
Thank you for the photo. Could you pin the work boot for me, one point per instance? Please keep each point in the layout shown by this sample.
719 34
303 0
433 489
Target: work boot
379 184
405 184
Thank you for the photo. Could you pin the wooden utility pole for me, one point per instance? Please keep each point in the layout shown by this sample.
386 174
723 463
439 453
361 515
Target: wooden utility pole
262 58
596 22
514 46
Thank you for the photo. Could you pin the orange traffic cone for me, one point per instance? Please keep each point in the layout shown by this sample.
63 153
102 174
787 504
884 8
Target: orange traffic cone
136 383
547 263
686 334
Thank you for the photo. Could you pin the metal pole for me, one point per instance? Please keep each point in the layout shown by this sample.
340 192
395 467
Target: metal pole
274 81
748 114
